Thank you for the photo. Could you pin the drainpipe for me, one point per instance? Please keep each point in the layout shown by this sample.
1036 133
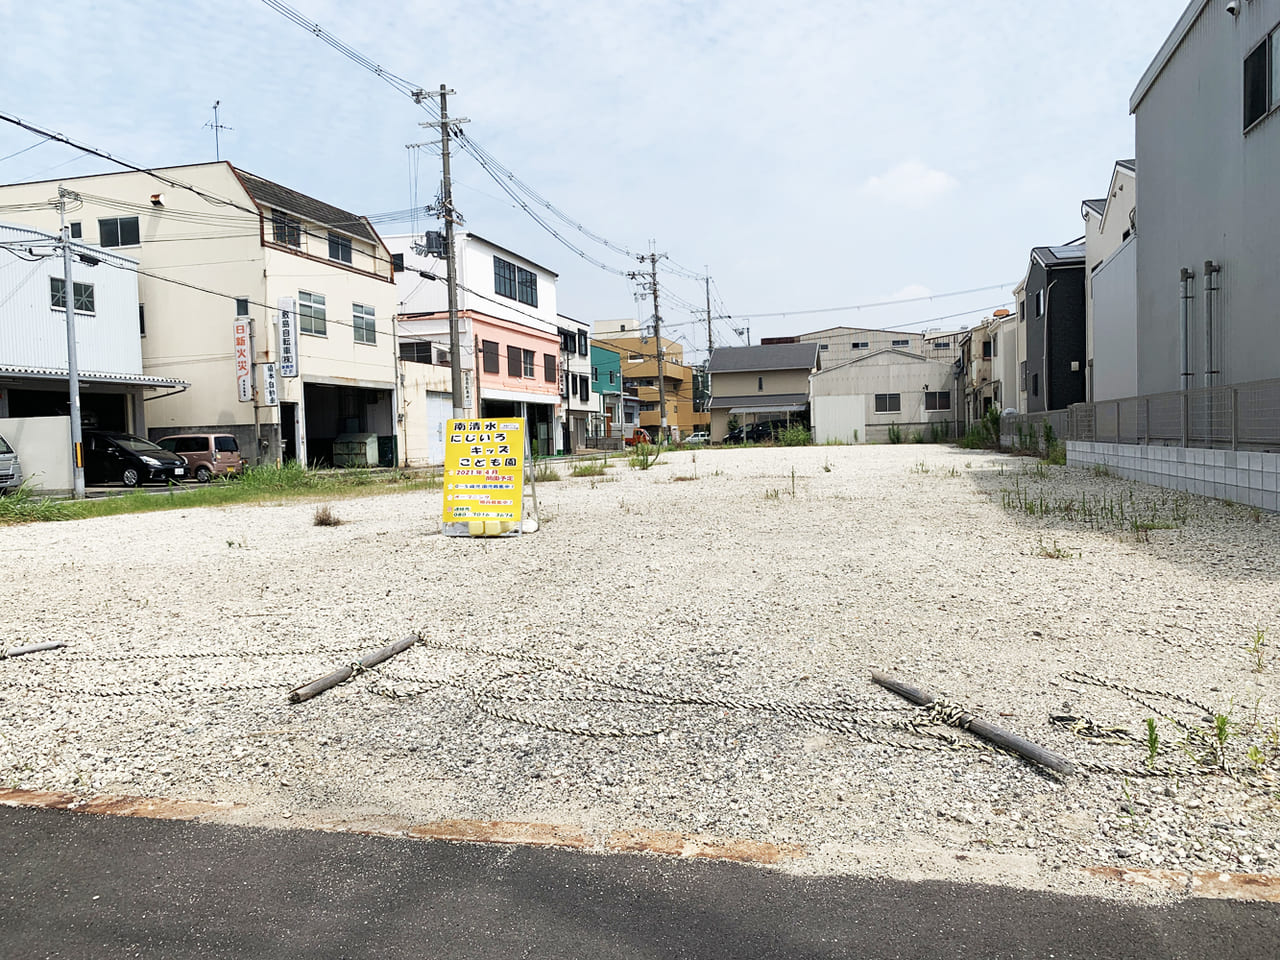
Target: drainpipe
1186 279
1211 269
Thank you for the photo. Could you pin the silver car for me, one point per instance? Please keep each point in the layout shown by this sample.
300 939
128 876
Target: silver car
10 468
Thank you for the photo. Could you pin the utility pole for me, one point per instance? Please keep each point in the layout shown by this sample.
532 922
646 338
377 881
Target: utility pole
710 345
73 370
446 210
652 283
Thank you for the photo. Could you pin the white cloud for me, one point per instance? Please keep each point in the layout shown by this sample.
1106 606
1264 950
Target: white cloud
911 183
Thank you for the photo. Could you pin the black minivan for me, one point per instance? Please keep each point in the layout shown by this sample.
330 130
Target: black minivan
131 460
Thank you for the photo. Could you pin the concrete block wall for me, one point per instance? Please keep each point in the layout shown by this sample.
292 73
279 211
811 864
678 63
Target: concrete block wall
1239 475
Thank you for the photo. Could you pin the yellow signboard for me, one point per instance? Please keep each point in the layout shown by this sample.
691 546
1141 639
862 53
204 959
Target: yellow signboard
484 477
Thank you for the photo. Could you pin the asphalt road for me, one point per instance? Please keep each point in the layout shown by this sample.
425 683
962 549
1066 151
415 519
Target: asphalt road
83 886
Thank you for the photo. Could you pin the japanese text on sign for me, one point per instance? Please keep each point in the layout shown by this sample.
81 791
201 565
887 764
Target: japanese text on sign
483 470
288 337
244 378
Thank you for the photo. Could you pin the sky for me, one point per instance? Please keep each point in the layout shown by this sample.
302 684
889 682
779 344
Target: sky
815 155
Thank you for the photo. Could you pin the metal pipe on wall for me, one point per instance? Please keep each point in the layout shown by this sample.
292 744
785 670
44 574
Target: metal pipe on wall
1211 270
1186 280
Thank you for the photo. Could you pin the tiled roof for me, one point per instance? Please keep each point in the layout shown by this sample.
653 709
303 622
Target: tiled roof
276 197
781 356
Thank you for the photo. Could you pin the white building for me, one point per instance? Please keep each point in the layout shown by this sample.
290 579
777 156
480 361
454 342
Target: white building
216 245
1111 287
34 386
862 399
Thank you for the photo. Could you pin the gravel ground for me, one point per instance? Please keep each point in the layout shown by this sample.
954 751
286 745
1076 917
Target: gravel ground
686 653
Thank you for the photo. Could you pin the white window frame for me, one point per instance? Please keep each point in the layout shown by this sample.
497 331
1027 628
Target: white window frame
312 315
364 323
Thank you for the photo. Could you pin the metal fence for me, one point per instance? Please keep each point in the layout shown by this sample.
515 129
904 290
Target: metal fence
1245 416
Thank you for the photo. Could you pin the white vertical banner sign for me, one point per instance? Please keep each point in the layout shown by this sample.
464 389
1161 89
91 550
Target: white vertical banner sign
244 371
270 389
287 308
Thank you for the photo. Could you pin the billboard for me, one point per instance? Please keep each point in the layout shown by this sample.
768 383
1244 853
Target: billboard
244 368
288 319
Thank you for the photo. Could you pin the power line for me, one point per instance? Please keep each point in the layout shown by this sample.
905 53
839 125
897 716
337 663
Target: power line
872 305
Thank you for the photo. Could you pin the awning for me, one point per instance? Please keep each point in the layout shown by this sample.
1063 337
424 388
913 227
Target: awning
90 376
773 408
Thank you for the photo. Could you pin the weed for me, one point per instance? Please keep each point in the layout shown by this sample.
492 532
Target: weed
1259 650
1055 451
795 436
683 478
1101 470
793 481
643 456
826 466
917 436
325 517
920 467
594 467
895 433
773 494
1052 553
1153 741
953 472
545 473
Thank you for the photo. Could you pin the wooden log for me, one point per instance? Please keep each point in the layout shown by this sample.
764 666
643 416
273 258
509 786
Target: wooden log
34 648
343 674
984 729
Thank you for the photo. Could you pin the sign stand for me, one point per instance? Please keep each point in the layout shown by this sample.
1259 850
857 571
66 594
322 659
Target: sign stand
528 524
485 468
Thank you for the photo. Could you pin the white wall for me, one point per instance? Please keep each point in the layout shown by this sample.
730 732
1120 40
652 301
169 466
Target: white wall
33 333
43 445
1115 324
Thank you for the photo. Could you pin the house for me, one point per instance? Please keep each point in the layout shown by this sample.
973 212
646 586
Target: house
34 375
221 255
979 357
1207 132
606 384
639 357
1111 296
513 345
576 394
869 398
1051 312
760 384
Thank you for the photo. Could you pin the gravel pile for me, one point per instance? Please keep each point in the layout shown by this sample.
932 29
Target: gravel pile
687 649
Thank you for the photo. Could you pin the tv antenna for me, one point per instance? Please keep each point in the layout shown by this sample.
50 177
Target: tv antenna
217 149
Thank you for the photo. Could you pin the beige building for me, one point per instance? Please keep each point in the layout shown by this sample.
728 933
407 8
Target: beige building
639 356
838 345
216 247
861 400
761 384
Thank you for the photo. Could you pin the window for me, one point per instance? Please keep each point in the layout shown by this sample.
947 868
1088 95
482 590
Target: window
937 400
416 351
824 346
311 315
118 232
611 378
83 298
902 343
595 373
489 355
549 367
77 231
1022 375
995 346
142 321
515 361
1022 310
504 278
635 358
987 351
286 229
362 323
584 389
1035 384
759 383
942 344
526 286
582 343
397 263
860 344
242 306
1039 303
1259 87
529 357
888 402
339 248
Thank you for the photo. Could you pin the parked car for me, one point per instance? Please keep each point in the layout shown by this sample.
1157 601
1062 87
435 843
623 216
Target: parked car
10 468
639 435
208 455
700 437
133 461
753 433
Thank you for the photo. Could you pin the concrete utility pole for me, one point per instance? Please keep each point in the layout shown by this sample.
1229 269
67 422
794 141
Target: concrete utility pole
73 370
653 259
710 346
450 215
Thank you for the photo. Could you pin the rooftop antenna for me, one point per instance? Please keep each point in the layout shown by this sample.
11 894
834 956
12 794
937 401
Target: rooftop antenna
217 149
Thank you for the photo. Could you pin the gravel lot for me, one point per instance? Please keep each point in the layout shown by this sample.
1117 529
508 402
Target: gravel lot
691 616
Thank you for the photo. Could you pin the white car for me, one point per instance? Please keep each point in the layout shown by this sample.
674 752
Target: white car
700 437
